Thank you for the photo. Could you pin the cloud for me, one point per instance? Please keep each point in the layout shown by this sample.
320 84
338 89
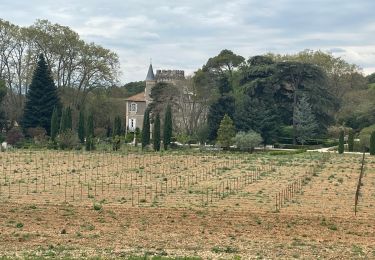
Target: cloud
184 34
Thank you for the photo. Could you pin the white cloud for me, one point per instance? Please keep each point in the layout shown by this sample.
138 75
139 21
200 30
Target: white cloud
184 34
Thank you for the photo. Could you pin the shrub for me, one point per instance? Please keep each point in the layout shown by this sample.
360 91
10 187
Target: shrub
116 143
247 141
90 144
37 133
14 136
365 136
67 139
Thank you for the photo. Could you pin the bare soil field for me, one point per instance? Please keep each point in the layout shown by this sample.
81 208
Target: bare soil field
174 205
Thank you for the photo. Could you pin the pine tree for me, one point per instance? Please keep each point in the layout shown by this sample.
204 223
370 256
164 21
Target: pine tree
372 143
81 127
305 121
156 132
341 142
54 124
351 140
41 98
167 131
90 126
226 132
146 129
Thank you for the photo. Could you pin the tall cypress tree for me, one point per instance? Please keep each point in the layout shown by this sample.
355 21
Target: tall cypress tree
167 131
117 126
81 126
90 126
63 121
372 143
351 140
69 123
341 142
54 124
156 132
146 129
41 98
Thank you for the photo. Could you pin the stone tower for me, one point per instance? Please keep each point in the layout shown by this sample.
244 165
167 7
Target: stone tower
150 83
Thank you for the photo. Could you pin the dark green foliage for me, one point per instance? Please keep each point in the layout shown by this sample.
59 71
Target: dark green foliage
137 136
90 126
253 114
306 125
69 121
41 98
146 129
117 126
372 143
156 133
66 116
54 124
116 143
351 140
167 133
133 88
224 105
341 142
81 127
226 132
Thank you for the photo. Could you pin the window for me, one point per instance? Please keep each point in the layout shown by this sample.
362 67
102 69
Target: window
132 124
133 107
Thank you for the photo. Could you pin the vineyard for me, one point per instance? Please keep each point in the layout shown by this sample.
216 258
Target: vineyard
273 186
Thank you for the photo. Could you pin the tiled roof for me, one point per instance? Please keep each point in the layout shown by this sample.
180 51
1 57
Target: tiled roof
138 97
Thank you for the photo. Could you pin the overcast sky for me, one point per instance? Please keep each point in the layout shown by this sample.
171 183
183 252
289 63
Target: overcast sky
184 34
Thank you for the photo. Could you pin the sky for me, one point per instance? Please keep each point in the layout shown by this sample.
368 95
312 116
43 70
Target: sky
185 34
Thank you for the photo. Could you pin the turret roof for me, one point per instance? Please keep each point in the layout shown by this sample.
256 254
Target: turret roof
150 74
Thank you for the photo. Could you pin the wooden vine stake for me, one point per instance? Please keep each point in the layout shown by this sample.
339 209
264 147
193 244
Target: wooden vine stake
359 184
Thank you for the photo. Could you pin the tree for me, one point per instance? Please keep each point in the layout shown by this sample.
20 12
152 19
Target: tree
226 132
295 79
81 127
247 141
64 121
341 142
3 92
156 133
41 98
117 126
225 105
306 125
146 129
372 143
351 140
90 126
167 131
224 64
254 114
69 121
54 124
